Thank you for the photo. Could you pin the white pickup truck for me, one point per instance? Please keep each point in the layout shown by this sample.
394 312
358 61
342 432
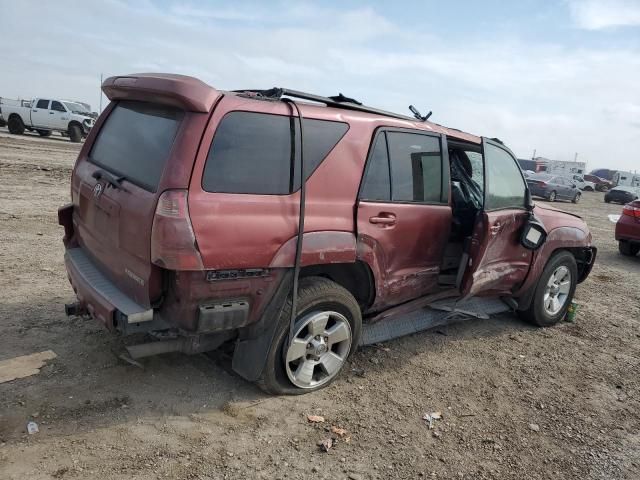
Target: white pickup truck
45 115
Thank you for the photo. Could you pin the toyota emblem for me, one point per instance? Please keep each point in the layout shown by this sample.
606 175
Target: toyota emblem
97 190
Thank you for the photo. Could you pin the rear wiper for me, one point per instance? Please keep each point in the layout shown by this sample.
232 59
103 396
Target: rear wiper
108 177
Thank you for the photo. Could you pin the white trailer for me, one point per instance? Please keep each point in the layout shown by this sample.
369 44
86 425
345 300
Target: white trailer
572 170
566 169
627 179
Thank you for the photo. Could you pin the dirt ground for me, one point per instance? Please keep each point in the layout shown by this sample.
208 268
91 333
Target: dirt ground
516 401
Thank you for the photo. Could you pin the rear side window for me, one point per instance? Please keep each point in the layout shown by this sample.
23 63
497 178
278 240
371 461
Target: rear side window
377 182
43 104
57 106
251 152
135 141
416 167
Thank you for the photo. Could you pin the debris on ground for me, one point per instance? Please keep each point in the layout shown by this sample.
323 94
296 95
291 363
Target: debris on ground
534 426
315 418
326 444
430 417
24 366
341 432
32 427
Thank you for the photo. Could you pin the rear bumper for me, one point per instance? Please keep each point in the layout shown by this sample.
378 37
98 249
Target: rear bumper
628 229
101 298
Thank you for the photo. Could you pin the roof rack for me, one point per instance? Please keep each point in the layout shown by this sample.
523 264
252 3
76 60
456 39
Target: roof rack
339 101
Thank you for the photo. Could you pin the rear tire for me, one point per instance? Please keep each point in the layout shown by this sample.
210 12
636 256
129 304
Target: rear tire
316 296
628 249
44 133
75 133
552 196
16 126
576 199
553 296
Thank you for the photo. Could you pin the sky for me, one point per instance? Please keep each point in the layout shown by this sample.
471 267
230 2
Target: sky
556 76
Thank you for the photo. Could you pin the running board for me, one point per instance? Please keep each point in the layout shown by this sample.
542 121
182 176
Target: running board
442 312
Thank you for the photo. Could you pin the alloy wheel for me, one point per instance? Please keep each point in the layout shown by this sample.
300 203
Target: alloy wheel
320 346
557 290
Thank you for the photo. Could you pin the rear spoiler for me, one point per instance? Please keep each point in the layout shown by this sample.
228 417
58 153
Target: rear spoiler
179 91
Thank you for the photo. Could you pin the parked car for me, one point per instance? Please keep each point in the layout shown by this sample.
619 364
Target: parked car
622 194
582 184
45 115
601 184
553 187
295 231
628 229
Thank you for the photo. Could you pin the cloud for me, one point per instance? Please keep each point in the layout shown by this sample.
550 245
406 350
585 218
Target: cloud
605 14
556 97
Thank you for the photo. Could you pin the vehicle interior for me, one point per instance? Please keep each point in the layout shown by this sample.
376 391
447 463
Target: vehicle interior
467 183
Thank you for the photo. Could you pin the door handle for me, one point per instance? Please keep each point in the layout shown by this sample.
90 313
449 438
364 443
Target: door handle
384 219
34 110
51 113
495 228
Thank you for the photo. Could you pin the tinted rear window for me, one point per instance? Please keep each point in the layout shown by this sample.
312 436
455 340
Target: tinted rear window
251 152
135 141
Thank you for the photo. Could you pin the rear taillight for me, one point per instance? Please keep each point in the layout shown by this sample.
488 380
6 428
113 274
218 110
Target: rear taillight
632 209
173 243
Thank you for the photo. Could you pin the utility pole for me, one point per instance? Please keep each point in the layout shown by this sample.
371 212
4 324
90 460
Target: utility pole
100 111
575 158
534 154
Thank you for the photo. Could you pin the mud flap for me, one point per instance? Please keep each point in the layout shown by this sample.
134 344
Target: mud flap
253 345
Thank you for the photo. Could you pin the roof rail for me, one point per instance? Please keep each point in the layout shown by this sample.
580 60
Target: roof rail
339 101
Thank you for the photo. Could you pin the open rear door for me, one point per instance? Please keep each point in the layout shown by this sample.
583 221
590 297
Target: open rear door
497 262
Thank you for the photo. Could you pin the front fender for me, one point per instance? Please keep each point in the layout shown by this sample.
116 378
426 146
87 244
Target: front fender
557 239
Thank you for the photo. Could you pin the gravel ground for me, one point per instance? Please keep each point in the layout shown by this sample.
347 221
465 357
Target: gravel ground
516 401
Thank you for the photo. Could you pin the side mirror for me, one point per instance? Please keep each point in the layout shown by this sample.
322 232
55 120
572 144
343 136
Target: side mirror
533 234
528 201
574 186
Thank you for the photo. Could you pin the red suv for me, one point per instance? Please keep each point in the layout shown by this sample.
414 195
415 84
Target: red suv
188 203
628 229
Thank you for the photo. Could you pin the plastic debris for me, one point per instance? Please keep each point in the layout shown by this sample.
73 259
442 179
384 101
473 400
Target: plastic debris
572 312
32 427
430 417
315 419
325 444
614 218
534 426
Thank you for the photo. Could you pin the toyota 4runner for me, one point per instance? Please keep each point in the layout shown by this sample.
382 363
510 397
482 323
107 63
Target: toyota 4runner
296 231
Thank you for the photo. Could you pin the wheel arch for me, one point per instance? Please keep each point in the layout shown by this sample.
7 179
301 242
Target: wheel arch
356 277
571 239
74 122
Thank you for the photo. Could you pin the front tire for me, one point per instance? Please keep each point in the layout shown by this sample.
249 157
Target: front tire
554 291
576 199
16 126
75 133
628 249
327 332
552 196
